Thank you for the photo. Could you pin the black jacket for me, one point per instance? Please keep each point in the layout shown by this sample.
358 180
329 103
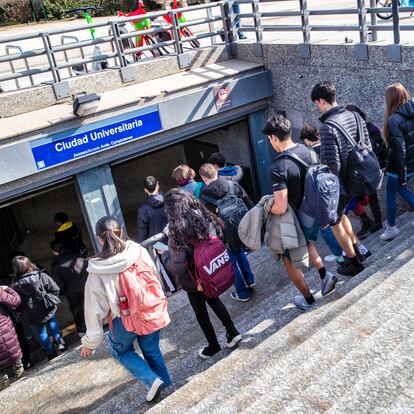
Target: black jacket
151 218
400 157
334 146
69 272
32 288
219 189
71 236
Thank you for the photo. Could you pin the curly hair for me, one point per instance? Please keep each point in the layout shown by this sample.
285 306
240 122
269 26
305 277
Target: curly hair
188 219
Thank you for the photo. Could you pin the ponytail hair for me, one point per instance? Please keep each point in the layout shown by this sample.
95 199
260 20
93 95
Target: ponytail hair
109 232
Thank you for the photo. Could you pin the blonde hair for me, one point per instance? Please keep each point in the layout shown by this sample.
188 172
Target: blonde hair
395 96
208 171
183 172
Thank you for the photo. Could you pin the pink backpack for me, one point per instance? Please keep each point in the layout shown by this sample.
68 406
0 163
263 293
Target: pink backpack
213 272
142 301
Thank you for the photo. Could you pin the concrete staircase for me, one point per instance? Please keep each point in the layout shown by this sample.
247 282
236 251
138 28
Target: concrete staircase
353 353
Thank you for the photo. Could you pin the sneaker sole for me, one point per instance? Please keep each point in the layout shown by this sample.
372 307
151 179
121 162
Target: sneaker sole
237 339
239 299
202 356
349 274
157 393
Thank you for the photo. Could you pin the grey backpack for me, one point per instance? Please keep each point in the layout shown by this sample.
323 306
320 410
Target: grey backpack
321 193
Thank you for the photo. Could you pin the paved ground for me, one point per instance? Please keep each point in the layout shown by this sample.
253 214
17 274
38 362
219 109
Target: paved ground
284 5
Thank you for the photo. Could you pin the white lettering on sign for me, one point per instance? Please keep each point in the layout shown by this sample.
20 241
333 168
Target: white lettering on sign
217 262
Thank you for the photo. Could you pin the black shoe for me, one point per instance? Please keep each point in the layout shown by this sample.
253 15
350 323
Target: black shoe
52 356
364 232
348 268
233 339
375 227
208 351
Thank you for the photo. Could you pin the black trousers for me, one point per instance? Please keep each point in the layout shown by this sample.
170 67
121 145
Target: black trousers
76 308
199 302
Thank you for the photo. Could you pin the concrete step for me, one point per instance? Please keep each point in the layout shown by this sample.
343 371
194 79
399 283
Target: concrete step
87 386
283 379
360 344
230 371
380 387
404 402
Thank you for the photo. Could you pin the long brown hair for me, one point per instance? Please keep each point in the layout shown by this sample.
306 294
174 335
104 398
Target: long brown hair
395 96
109 232
22 265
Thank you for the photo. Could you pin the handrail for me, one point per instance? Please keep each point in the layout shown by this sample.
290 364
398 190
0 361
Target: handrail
178 37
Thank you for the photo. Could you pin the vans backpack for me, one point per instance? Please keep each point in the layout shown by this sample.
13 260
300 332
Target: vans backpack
321 193
363 172
231 209
142 301
213 272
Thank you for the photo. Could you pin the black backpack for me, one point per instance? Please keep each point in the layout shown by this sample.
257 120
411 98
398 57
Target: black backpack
363 173
231 209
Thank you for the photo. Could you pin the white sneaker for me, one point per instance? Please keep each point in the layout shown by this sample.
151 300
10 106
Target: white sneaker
300 303
390 233
330 258
155 390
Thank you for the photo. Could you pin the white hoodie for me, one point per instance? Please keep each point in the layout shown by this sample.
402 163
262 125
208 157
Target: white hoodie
102 289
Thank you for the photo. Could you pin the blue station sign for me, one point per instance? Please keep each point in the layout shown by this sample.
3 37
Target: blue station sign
81 142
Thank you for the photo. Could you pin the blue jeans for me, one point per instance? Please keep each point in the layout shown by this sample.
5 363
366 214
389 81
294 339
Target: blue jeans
236 11
42 334
331 241
393 188
242 272
147 369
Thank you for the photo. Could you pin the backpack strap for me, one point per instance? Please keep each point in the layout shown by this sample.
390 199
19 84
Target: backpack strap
298 159
346 134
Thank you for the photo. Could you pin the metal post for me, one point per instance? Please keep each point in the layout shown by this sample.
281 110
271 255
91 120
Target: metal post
394 50
176 33
50 57
304 48
257 21
118 44
223 12
211 27
362 49
374 36
396 21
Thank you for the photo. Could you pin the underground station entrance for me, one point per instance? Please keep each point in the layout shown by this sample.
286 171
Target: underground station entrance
27 222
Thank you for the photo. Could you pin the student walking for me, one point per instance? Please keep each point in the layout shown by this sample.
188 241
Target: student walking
10 353
190 222
151 217
70 234
399 136
220 191
105 296
184 176
288 182
335 150
69 272
39 298
229 172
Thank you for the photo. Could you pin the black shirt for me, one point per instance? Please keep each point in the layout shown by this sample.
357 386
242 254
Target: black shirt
286 173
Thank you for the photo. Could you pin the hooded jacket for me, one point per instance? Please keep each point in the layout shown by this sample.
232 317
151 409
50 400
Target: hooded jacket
102 289
233 173
32 288
193 187
151 217
335 148
282 232
10 351
400 158
71 236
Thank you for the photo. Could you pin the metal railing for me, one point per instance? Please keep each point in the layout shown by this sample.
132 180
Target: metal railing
52 60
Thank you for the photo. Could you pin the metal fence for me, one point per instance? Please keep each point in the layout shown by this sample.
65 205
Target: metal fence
62 53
